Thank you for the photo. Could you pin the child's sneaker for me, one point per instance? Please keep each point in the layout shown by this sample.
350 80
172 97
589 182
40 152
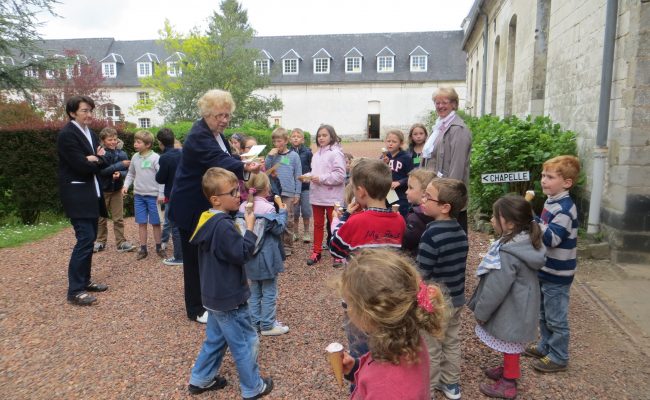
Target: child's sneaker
495 373
142 253
502 389
161 253
172 261
125 247
531 351
99 247
545 364
313 259
268 387
277 330
306 238
450 390
219 382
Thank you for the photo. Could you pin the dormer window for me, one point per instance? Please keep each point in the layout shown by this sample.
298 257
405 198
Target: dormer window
6 60
174 64
109 70
322 62
353 61
262 67
31 72
145 69
419 58
385 60
290 63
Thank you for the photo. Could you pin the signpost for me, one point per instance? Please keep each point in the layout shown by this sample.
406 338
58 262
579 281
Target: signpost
501 177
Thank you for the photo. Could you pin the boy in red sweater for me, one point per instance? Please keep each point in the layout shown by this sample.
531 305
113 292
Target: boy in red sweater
366 223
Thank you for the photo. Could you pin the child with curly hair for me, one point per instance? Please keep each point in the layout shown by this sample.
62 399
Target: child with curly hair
384 296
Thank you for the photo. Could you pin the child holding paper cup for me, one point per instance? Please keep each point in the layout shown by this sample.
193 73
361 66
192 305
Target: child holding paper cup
384 296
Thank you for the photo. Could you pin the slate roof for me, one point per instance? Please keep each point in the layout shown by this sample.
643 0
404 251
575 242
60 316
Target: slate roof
446 59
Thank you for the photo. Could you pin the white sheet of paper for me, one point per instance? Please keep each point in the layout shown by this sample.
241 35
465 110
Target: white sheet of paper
392 197
254 151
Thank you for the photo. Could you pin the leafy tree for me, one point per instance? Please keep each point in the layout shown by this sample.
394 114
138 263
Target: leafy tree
18 39
220 58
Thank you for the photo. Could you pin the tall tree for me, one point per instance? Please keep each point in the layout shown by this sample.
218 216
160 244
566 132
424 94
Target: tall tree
219 58
18 41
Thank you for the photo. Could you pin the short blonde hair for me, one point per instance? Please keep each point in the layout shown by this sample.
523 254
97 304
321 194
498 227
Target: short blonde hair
107 132
213 99
259 181
381 287
424 176
447 92
215 179
567 166
145 136
399 134
279 133
452 192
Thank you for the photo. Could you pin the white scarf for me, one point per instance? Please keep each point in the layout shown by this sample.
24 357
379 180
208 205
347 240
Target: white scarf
430 144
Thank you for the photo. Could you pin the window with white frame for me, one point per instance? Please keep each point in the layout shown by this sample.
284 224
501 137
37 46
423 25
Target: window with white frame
174 69
262 67
109 70
112 112
418 63
321 65
290 66
144 69
31 72
49 74
385 64
144 122
143 98
353 65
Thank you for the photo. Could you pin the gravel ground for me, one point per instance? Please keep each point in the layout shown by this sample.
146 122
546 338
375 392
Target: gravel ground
137 343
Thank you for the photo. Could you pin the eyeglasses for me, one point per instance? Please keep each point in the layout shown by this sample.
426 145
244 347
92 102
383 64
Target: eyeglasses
222 116
426 197
442 103
232 193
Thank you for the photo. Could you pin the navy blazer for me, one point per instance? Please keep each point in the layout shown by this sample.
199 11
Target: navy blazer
200 152
77 175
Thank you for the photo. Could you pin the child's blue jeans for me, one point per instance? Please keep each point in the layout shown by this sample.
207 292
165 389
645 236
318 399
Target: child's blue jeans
229 329
554 322
262 303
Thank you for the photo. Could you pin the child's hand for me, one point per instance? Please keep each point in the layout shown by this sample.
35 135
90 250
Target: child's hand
384 158
116 175
273 152
249 218
100 151
252 167
126 163
348 363
161 199
315 179
353 207
296 200
394 185
125 191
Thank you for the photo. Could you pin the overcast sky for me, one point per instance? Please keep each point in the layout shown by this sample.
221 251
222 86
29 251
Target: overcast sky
133 19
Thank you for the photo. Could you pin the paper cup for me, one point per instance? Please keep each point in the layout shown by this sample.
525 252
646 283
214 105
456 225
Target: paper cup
335 356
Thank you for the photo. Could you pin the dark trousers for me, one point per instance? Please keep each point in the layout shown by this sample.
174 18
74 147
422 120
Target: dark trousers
462 220
191 277
85 230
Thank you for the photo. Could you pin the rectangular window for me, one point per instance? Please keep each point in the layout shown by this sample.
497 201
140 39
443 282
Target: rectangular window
353 65
385 64
290 66
143 98
262 67
418 63
49 74
173 69
321 65
144 69
108 70
144 122
31 72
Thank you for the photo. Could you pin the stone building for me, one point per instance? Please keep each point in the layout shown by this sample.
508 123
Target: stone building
545 57
362 84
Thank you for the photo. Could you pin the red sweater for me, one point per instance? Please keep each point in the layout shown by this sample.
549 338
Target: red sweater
374 227
380 380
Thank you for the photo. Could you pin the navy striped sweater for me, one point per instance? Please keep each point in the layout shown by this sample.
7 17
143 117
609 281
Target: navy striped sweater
442 257
559 223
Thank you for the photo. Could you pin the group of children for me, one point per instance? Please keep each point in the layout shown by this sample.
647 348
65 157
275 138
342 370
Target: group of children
152 177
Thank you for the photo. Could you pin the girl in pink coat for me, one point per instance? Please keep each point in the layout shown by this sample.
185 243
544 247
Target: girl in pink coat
327 184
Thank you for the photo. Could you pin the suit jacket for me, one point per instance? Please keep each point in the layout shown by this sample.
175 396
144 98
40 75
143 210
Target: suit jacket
201 151
77 175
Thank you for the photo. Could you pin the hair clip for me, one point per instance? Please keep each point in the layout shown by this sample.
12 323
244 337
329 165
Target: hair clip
424 297
252 191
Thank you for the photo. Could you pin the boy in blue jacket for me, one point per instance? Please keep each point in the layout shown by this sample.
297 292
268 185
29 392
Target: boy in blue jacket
223 251
168 163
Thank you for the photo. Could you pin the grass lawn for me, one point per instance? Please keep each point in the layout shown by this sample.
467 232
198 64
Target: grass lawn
14 234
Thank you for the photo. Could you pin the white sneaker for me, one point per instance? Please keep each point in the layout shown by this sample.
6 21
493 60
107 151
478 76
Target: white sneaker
277 330
202 319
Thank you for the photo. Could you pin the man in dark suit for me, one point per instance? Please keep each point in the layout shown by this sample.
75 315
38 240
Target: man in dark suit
80 160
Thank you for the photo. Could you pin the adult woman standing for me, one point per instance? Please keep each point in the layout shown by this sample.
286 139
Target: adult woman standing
205 147
448 148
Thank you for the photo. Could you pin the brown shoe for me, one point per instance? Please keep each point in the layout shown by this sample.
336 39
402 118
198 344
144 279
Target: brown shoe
545 364
82 299
531 351
502 389
161 253
141 254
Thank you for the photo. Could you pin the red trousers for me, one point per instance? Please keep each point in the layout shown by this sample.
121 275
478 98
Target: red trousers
511 366
320 212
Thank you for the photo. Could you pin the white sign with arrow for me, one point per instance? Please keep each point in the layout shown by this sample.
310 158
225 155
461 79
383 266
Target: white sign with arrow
499 177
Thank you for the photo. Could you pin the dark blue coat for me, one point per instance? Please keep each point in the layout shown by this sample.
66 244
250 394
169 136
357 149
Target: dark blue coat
200 152
114 163
168 163
305 160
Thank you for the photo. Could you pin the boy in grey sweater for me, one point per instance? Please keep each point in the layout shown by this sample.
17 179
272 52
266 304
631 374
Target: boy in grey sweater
147 192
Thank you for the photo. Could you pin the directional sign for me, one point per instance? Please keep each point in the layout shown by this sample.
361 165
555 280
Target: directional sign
519 176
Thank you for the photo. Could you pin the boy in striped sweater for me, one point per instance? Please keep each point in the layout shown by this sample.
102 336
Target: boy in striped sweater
442 257
559 223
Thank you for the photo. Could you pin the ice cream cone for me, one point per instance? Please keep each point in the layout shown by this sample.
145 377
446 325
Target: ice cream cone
530 195
335 355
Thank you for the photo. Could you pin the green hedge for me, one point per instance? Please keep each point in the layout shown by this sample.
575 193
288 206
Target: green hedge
513 144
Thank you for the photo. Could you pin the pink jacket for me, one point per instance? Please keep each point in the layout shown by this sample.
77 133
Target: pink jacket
328 164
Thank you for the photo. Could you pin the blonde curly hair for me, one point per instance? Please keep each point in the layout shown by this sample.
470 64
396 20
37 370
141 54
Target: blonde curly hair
380 287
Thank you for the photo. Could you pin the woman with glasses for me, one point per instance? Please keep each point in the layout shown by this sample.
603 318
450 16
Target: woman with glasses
446 151
205 147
